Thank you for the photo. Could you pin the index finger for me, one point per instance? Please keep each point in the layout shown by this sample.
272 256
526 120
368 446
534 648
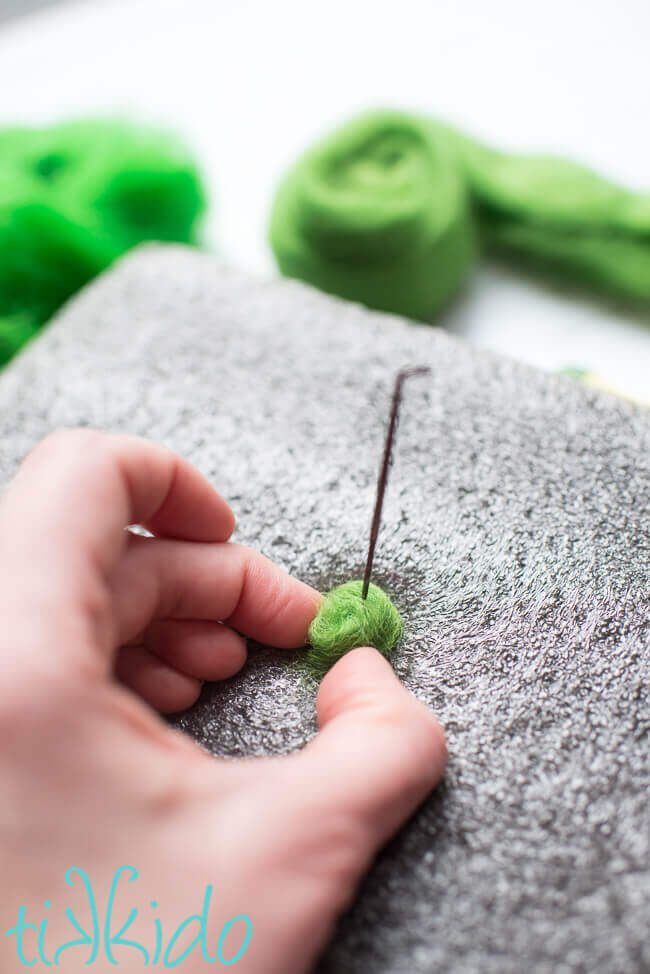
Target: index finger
89 484
62 519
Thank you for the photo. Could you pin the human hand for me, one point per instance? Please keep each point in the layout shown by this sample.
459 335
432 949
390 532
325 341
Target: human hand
99 626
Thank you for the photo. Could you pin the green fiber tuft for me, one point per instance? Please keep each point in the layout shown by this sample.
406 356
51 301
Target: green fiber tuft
390 210
346 621
75 196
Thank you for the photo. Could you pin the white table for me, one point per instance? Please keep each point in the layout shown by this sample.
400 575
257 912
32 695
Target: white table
250 84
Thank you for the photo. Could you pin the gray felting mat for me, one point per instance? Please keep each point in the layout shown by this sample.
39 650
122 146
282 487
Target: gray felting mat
515 542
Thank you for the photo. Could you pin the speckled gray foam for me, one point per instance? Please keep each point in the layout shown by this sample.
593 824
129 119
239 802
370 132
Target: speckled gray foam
514 542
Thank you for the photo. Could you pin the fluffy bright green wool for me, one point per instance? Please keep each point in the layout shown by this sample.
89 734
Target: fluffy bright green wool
75 196
346 621
387 211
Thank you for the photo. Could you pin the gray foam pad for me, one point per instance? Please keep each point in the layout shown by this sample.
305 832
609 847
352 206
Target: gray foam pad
515 543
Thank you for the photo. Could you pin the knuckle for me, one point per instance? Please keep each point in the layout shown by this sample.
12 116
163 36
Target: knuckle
331 835
276 603
344 849
334 850
30 707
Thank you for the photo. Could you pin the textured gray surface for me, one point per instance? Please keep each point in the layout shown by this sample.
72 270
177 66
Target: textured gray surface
515 542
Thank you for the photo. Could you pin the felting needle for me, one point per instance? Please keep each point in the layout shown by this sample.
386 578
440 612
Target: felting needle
400 379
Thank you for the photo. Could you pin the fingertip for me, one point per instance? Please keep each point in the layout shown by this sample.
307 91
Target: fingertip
225 520
193 509
291 627
361 674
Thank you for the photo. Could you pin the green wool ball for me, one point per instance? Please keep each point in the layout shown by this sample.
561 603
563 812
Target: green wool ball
346 621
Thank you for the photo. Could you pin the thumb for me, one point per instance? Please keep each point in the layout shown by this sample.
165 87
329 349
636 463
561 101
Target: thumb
379 751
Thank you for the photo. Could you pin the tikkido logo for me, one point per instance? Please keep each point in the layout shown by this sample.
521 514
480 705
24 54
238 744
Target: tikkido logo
32 944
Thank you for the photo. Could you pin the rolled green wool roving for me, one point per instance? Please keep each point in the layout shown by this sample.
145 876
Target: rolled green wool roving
346 621
379 212
391 209
75 196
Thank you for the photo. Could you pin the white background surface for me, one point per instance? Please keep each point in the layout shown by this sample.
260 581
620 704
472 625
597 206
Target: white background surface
251 84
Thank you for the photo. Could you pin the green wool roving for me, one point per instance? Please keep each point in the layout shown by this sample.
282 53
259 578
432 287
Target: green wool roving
75 196
391 209
346 621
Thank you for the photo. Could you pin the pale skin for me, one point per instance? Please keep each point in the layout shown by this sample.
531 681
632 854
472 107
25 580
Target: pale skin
101 632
